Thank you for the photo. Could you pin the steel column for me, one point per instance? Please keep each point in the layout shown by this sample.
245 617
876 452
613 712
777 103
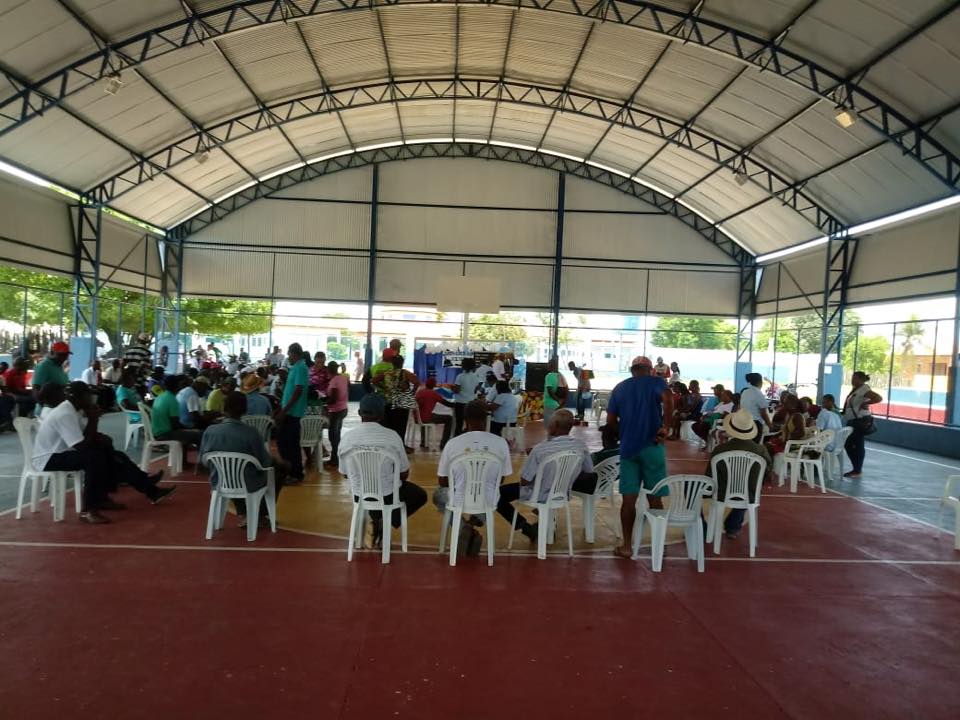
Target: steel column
171 292
558 266
746 310
372 270
838 265
953 412
88 228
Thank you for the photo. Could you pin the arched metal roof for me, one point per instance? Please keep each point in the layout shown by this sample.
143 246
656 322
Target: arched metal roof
724 106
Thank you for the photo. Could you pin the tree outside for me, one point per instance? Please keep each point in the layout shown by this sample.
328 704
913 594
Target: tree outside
698 333
506 327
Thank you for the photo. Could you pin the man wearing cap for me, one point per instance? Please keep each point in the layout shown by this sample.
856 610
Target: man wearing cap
370 433
165 414
711 402
293 406
741 432
382 367
640 408
191 404
50 369
68 440
257 404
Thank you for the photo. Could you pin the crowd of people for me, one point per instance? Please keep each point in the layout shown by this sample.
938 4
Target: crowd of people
203 409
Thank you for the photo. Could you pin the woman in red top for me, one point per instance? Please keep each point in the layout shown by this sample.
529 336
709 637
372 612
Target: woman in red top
427 399
15 387
337 397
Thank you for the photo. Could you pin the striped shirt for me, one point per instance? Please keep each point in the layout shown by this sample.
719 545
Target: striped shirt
137 357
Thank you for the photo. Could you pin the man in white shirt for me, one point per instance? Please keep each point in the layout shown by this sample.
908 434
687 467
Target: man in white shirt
91 376
276 357
828 418
464 391
753 401
113 374
499 368
558 440
68 440
474 438
371 434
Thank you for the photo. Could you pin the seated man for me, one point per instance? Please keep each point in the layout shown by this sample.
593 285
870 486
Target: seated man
828 418
257 403
216 399
473 438
232 435
427 400
127 396
165 418
68 440
611 445
558 440
190 399
741 432
370 433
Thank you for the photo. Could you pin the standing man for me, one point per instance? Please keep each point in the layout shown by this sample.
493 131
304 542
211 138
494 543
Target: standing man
293 406
464 391
357 366
753 401
554 391
50 369
137 357
276 357
640 409
661 369
499 368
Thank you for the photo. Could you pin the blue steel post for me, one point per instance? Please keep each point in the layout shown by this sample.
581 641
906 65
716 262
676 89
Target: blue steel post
372 270
557 267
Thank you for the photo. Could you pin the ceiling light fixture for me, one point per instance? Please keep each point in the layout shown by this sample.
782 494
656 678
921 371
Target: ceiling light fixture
845 117
741 177
202 156
114 83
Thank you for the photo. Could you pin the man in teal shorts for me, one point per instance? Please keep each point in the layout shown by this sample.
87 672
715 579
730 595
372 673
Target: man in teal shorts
640 409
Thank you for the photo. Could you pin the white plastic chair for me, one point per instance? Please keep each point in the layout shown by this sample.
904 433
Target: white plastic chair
834 466
684 510
566 466
686 432
417 430
172 450
475 468
230 468
951 498
311 435
599 405
263 424
134 428
114 426
800 463
363 467
739 466
608 472
56 480
515 435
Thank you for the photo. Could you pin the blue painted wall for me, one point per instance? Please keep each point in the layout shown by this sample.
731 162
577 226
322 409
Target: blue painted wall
936 439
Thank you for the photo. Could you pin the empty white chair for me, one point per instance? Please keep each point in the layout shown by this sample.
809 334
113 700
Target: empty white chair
475 466
565 467
808 461
686 432
114 426
684 508
311 435
134 428
230 468
56 480
834 463
363 466
951 498
608 472
263 425
172 450
739 466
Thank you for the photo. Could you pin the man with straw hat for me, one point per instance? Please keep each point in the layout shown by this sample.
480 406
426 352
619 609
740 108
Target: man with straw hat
741 432
257 404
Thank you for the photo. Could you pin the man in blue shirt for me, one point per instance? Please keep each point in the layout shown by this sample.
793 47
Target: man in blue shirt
635 410
465 391
293 406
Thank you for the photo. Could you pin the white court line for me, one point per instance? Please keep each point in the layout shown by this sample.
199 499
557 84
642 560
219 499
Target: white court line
555 555
895 512
915 459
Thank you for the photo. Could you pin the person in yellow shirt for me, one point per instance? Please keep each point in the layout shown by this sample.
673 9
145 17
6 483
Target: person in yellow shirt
217 398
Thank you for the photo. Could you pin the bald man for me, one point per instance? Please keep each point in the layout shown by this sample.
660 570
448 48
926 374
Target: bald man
558 440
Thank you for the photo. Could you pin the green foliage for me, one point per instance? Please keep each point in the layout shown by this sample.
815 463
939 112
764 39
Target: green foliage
872 354
798 333
337 351
220 318
505 327
694 332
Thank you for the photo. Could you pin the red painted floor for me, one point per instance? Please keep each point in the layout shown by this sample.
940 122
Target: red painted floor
849 611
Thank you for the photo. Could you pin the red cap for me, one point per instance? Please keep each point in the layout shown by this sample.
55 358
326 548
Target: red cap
389 354
642 361
60 347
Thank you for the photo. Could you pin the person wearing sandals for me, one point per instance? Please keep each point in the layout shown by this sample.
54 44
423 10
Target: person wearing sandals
856 413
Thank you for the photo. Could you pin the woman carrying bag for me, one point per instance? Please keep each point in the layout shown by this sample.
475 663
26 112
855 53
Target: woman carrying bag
856 413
